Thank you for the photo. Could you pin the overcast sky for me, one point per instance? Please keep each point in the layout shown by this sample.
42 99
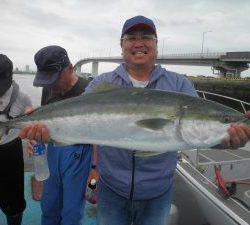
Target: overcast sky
92 27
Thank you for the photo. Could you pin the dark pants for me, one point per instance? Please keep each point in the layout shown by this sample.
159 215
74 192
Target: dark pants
113 209
12 200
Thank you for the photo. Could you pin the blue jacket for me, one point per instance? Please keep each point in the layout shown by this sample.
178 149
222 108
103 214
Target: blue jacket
139 178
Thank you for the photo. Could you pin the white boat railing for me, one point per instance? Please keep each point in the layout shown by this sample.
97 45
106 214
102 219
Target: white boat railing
242 103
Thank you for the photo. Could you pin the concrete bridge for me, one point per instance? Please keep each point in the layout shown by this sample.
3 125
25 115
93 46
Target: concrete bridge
226 64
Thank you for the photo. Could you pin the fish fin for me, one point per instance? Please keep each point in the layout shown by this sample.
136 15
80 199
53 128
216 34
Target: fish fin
153 124
146 153
105 86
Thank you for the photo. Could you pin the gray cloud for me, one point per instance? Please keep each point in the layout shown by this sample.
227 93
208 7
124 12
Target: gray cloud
92 28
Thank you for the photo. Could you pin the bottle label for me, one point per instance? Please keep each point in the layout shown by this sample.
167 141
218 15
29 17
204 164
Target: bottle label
39 149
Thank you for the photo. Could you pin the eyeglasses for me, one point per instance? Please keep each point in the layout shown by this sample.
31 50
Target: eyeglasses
143 37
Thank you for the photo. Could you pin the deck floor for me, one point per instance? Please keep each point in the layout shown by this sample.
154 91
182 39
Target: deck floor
32 213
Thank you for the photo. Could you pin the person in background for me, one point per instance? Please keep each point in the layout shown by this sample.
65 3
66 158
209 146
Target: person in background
62 201
131 189
12 104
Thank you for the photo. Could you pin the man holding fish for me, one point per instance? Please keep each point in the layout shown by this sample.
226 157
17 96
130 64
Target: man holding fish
133 189
62 199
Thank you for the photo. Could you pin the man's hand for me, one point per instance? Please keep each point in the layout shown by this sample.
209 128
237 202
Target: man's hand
37 131
29 148
239 135
29 109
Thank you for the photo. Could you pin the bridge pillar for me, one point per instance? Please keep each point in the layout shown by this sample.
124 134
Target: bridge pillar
78 70
94 68
229 69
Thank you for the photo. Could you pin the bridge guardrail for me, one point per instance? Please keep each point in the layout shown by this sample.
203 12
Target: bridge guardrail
194 55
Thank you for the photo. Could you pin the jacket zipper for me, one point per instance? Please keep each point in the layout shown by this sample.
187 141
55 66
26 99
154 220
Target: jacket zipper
133 176
133 170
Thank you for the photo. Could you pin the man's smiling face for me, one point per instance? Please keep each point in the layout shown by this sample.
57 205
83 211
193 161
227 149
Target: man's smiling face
139 47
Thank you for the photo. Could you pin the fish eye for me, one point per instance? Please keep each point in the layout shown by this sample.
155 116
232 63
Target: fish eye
226 119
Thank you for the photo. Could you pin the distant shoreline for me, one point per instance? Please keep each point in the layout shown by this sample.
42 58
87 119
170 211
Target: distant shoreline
24 72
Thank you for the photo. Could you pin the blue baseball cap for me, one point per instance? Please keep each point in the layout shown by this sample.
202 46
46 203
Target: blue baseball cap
50 62
138 21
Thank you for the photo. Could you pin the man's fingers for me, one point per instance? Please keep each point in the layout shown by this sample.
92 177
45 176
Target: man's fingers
29 145
45 135
32 142
248 114
29 148
244 133
225 143
23 132
38 132
235 139
29 110
246 130
31 134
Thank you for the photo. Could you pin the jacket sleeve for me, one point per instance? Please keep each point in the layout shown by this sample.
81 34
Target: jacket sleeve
18 107
188 87
106 77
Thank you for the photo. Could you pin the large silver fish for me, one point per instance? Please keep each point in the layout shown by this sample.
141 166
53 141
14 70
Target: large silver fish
135 119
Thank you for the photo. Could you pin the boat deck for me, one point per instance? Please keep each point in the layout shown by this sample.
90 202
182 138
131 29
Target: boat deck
234 165
32 213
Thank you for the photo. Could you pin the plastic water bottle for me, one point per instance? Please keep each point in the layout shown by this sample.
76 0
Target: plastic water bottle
40 162
91 192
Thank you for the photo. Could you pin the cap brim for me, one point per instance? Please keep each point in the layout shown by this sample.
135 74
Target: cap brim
145 25
44 79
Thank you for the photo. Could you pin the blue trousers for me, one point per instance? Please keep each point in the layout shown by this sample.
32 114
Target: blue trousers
113 209
63 197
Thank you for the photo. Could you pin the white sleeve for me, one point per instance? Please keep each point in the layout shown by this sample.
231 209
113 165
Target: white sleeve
19 106
17 109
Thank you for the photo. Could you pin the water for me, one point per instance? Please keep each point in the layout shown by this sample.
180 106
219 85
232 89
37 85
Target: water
25 83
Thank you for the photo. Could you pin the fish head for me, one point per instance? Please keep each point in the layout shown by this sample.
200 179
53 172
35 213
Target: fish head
207 126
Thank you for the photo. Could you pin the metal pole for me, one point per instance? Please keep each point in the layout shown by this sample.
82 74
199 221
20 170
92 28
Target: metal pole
202 44
203 37
162 50
163 45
